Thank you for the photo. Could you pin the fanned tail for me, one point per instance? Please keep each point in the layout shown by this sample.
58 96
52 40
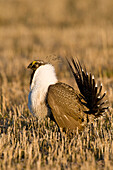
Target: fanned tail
89 91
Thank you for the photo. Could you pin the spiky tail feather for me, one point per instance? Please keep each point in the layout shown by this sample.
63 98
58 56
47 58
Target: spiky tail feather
89 91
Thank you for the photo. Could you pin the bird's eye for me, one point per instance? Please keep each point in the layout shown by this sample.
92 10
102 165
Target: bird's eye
33 66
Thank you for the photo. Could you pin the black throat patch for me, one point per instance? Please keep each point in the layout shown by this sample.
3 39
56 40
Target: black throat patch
32 76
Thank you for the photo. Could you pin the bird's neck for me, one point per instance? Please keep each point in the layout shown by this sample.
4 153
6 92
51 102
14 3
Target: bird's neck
32 76
43 77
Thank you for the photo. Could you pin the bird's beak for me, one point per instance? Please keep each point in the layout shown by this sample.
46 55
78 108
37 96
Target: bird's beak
29 66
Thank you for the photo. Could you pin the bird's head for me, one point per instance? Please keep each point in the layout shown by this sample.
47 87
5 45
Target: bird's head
35 64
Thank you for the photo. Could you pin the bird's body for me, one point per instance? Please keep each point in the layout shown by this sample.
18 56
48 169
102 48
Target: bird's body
61 102
66 114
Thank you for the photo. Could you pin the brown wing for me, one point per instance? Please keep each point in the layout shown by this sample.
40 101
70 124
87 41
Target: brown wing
65 106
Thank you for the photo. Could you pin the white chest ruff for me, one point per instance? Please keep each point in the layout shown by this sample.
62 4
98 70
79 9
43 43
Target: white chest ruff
44 76
36 103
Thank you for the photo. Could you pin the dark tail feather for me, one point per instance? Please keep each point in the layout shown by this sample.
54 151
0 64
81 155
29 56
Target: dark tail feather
90 93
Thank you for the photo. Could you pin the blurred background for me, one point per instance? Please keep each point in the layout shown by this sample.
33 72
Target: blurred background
34 29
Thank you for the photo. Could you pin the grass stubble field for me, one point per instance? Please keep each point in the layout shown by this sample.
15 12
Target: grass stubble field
50 32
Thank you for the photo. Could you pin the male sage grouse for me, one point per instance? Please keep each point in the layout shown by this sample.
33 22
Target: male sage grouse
59 101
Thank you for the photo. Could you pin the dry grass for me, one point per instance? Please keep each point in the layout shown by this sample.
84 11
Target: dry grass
34 30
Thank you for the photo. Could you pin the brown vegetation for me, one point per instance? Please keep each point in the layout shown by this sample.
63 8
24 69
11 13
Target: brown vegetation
33 30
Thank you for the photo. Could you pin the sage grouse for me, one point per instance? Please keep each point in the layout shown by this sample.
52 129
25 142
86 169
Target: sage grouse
59 101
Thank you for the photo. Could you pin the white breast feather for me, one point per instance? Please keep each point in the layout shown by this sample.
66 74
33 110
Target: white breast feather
43 77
